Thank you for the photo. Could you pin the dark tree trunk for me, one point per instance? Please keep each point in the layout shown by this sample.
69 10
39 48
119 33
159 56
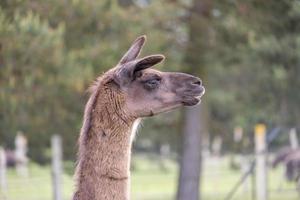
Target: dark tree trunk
125 3
191 159
193 128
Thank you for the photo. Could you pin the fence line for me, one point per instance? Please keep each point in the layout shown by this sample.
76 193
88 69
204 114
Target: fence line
214 171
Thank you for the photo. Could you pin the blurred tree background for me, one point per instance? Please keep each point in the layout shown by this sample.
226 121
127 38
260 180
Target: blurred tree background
51 50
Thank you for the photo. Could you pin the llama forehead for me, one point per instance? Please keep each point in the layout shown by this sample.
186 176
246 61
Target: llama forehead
169 78
151 72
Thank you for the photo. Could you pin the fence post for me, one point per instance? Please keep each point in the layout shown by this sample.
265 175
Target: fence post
57 171
20 152
261 162
245 167
238 134
294 139
3 183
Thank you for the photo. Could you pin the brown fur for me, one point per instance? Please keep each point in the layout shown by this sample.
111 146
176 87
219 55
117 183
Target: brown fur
104 159
119 98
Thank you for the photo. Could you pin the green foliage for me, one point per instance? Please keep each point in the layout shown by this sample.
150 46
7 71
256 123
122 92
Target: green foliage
51 50
33 54
256 74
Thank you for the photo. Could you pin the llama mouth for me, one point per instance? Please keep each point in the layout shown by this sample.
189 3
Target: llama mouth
195 99
191 101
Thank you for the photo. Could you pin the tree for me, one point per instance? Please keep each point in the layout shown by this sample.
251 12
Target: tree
50 50
195 58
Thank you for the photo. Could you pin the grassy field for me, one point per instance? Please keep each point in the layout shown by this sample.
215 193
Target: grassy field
151 181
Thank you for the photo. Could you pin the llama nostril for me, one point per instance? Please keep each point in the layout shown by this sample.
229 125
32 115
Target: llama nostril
197 82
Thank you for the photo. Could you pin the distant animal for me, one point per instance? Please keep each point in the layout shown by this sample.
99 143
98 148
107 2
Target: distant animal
119 99
11 159
291 159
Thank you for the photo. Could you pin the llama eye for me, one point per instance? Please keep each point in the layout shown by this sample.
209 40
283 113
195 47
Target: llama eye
151 84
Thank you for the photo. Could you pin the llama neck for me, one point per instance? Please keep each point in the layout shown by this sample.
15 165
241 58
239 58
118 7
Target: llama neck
105 151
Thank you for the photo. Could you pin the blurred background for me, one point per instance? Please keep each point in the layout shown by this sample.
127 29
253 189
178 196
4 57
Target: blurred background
241 143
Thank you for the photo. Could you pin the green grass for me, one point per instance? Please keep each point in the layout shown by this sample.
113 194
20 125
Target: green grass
152 182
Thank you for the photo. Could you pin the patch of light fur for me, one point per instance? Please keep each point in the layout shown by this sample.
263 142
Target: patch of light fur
134 129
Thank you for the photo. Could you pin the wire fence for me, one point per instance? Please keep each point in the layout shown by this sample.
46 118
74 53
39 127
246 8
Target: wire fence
154 183
153 178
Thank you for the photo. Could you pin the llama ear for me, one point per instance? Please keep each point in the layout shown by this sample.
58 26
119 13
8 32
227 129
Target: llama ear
148 61
134 50
126 73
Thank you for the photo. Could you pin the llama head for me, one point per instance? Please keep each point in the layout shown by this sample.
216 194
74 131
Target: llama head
147 91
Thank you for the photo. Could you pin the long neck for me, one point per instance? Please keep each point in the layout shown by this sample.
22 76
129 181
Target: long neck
104 149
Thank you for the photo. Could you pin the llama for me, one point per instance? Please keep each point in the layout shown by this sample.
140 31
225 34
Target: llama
119 99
